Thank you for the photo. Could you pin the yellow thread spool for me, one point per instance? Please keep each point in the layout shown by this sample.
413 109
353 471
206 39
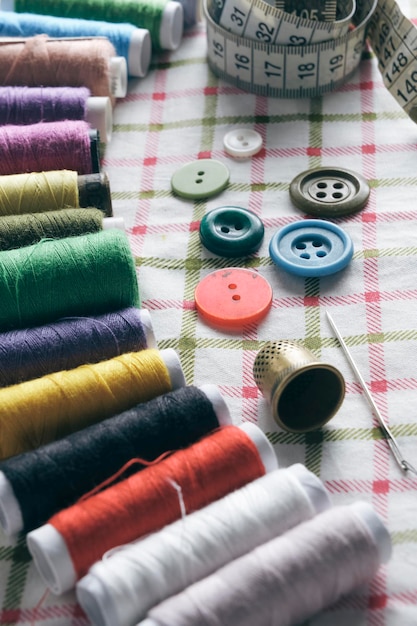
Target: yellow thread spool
36 412
37 192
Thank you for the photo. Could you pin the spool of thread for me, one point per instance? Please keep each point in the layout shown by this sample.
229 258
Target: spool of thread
39 60
31 105
288 579
65 145
304 393
189 479
39 192
45 409
120 589
134 44
17 231
164 19
87 275
67 343
36 485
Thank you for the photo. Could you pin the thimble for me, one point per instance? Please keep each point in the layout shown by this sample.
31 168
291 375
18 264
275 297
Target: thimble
304 393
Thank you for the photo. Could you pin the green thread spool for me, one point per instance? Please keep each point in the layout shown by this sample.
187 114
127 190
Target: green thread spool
163 21
17 231
86 275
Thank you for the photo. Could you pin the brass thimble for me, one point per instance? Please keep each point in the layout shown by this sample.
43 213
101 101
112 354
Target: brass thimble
304 393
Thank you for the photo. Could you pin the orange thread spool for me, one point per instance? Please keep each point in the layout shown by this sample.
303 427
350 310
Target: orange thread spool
145 502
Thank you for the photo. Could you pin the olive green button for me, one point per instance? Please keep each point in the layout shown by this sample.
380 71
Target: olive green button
200 179
231 231
329 192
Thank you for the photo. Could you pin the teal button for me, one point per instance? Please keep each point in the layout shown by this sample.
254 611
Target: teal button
200 179
231 231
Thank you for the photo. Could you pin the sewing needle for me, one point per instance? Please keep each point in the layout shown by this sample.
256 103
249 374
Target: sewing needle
404 465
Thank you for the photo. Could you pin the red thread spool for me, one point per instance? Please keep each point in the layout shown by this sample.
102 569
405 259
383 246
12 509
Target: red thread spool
75 538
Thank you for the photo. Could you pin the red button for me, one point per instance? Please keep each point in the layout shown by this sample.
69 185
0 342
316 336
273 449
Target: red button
233 297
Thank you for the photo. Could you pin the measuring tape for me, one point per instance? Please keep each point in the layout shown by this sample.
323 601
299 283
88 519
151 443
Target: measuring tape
291 50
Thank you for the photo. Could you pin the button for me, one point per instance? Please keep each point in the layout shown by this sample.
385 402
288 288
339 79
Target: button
231 231
233 297
311 248
242 143
329 192
200 179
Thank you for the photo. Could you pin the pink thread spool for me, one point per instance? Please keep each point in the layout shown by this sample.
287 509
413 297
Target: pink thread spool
66 145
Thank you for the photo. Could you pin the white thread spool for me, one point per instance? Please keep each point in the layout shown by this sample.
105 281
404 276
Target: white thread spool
50 552
120 589
289 579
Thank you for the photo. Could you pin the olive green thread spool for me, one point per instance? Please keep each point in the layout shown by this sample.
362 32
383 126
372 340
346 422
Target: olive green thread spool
304 393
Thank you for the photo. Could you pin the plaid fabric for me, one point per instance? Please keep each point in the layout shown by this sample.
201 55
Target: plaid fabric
180 112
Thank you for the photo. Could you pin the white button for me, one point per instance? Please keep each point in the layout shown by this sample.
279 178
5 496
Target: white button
242 142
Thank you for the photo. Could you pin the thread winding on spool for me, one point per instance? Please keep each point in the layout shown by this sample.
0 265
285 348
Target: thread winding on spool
39 192
67 343
131 43
288 579
17 231
75 538
31 105
45 409
86 275
304 393
120 589
36 485
164 19
64 145
90 62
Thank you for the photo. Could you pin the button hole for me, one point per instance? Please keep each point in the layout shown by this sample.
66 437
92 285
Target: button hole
317 243
236 297
200 173
305 255
337 195
322 185
199 180
232 286
321 194
321 253
225 229
338 185
301 246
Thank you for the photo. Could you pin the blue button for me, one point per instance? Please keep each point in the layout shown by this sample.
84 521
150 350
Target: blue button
311 248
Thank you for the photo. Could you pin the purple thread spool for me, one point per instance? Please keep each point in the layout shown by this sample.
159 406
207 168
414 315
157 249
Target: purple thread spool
69 342
30 105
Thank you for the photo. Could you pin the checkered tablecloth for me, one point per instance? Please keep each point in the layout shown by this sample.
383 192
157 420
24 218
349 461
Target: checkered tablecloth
180 112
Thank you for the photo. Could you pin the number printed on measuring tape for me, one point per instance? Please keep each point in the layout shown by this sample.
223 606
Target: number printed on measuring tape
292 50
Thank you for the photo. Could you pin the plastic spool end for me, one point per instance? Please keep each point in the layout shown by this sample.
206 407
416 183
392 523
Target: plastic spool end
313 487
140 53
114 222
173 364
376 527
11 519
118 77
266 451
219 405
92 597
99 114
146 320
52 559
172 26
7 5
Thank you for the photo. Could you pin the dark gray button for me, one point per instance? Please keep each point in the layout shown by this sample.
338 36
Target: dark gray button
329 192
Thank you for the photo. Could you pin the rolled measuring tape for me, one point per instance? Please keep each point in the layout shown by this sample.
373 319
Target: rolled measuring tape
306 49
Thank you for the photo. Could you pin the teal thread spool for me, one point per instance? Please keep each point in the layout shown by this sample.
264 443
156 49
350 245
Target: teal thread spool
164 19
85 275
